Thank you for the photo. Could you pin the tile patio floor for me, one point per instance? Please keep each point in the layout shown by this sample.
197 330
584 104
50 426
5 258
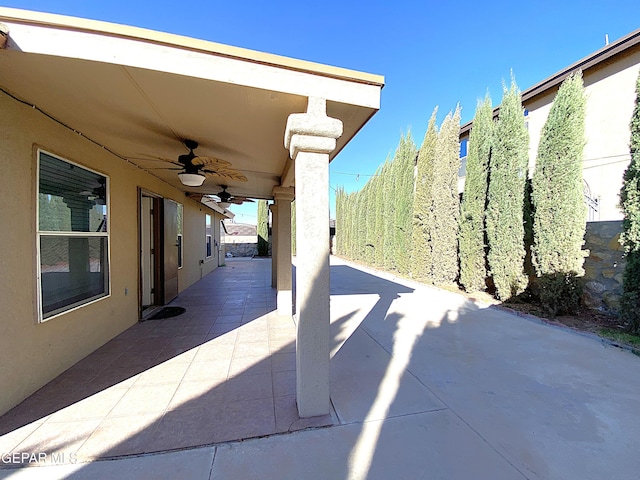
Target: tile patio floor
424 384
222 371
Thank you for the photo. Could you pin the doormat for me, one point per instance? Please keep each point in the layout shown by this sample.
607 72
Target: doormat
167 312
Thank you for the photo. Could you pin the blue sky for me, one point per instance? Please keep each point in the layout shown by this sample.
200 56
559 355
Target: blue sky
431 53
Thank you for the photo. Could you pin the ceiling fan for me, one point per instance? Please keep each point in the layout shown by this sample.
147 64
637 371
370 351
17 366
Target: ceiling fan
226 198
98 194
195 169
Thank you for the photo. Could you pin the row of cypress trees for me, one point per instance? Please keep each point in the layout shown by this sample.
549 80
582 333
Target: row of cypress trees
409 218
401 219
376 221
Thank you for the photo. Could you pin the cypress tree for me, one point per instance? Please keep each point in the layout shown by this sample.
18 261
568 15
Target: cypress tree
473 270
421 255
404 166
560 213
446 201
630 238
263 229
389 216
505 197
379 217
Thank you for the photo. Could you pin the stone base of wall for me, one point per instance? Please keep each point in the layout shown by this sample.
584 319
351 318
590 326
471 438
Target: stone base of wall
241 249
244 249
604 266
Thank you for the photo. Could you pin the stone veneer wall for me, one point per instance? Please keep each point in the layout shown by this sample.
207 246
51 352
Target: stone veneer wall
241 249
604 266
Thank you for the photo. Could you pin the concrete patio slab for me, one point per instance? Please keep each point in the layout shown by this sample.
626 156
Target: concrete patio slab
425 384
433 445
170 466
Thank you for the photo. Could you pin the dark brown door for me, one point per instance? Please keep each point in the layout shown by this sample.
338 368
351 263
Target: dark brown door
170 250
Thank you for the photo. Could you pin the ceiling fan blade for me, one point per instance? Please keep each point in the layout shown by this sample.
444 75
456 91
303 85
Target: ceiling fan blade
153 158
226 174
213 161
195 195
243 199
164 168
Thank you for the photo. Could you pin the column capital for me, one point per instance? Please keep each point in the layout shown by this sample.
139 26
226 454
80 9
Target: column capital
273 207
286 194
312 131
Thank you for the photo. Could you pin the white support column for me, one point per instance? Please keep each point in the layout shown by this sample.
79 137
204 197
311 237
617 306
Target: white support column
283 197
310 138
274 244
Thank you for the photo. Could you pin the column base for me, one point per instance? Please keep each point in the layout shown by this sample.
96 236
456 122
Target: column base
285 303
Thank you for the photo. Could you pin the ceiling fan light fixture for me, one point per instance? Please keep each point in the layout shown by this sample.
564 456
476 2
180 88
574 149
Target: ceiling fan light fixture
224 204
191 179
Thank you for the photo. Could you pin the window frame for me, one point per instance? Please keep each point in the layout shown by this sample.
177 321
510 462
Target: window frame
180 236
208 241
41 316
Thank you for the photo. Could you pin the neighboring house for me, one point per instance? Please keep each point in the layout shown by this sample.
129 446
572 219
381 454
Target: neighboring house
102 218
240 239
609 78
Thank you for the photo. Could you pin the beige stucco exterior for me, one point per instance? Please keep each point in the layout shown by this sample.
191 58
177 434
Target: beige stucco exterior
610 93
130 99
33 353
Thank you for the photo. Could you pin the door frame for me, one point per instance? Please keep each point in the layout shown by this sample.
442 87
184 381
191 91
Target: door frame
157 270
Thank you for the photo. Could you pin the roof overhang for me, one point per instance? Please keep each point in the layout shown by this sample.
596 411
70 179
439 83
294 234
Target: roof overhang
141 93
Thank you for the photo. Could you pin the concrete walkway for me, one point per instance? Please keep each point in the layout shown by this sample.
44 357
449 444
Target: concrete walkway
428 385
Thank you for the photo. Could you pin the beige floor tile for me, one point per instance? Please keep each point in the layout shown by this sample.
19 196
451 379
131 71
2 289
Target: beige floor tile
167 372
250 365
203 393
245 419
184 427
284 383
65 438
95 406
144 399
119 436
214 371
9 441
251 349
248 387
178 354
282 362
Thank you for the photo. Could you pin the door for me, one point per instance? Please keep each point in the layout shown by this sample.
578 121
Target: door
170 250
147 255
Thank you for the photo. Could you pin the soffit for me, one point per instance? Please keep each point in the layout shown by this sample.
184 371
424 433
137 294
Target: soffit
141 100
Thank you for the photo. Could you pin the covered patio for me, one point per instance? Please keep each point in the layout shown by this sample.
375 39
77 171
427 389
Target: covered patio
127 103
224 370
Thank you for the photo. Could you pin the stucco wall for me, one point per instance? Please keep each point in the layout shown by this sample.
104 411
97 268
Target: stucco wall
33 353
610 92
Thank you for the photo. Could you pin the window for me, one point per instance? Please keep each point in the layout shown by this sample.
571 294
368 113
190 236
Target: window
463 147
73 236
180 212
207 233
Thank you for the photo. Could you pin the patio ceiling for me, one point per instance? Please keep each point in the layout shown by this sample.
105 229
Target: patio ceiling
142 93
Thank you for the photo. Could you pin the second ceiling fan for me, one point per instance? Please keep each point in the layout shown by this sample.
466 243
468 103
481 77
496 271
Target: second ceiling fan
226 198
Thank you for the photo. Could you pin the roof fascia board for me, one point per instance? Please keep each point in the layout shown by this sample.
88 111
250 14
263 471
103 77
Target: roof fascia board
178 41
605 53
